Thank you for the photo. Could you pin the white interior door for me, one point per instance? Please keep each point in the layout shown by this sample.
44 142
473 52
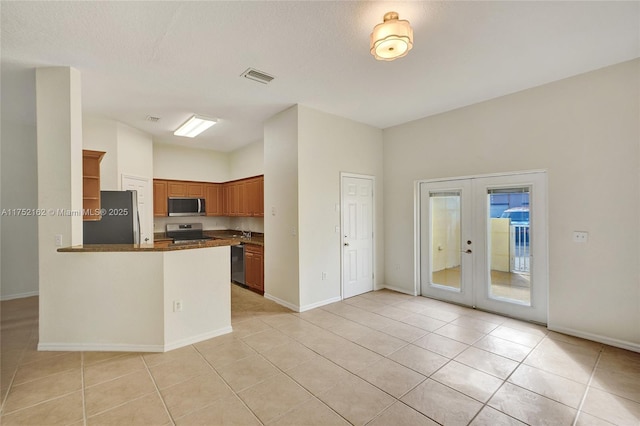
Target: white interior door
145 204
483 243
357 232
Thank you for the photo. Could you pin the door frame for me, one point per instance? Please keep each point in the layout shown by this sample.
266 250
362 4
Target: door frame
418 231
149 207
340 209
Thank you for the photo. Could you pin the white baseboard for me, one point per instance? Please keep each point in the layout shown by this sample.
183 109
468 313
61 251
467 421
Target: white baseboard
284 303
20 295
400 290
99 347
318 304
596 338
304 308
195 339
116 347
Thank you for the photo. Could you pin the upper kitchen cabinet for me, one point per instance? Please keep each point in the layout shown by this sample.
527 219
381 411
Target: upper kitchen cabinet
160 197
180 188
195 189
176 188
91 184
255 196
244 197
213 195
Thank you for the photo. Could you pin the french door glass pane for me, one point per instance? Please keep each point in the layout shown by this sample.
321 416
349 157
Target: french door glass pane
509 244
445 239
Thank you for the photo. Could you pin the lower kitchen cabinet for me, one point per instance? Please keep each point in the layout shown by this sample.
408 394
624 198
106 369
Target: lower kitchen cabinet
254 267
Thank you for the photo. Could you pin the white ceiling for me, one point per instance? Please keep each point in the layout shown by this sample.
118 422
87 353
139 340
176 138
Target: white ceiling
172 59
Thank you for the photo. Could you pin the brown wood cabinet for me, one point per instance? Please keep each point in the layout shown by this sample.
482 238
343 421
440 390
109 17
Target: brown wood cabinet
91 184
195 189
160 197
176 188
244 197
213 199
254 267
254 194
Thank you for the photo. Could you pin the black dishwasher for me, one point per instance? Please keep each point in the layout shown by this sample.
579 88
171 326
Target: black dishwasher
237 264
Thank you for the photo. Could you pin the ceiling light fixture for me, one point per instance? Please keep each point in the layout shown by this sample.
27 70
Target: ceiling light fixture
391 39
194 126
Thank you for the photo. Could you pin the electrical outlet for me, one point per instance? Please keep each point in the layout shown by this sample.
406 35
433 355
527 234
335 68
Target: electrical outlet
177 306
580 236
324 276
58 240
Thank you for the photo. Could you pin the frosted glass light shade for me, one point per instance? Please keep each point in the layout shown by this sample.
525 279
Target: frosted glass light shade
391 39
194 126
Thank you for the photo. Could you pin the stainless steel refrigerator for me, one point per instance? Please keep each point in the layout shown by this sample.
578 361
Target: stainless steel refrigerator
119 224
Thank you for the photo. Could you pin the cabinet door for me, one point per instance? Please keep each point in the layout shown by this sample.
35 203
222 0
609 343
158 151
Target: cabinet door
254 267
255 196
195 189
160 198
243 205
176 188
213 199
232 199
260 200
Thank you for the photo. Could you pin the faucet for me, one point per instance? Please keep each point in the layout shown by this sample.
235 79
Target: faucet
246 234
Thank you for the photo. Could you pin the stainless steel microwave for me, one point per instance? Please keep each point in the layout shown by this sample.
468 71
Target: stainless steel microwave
181 206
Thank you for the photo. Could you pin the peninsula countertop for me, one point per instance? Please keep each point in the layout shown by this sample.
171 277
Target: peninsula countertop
157 246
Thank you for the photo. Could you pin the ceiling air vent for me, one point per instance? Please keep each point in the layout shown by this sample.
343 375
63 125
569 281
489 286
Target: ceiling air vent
152 119
259 76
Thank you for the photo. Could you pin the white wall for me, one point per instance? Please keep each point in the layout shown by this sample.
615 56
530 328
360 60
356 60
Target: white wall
281 281
585 132
328 145
135 153
19 177
247 161
176 162
99 134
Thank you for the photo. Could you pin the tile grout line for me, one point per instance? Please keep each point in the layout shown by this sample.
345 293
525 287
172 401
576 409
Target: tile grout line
155 385
15 372
586 389
227 383
313 395
82 384
293 379
506 380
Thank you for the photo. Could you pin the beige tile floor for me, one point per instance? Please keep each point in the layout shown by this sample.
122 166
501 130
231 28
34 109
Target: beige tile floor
382 358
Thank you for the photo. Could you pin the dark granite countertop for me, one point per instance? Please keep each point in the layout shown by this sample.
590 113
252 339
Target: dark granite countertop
257 238
157 246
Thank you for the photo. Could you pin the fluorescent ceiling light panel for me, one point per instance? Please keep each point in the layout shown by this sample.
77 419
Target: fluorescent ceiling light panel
194 126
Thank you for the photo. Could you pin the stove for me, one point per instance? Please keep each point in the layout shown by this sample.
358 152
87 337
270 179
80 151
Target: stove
186 233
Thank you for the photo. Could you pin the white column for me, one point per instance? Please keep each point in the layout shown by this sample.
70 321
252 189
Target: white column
59 144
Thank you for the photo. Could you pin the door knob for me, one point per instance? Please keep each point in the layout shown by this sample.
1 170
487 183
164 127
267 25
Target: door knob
346 244
469 242
468 251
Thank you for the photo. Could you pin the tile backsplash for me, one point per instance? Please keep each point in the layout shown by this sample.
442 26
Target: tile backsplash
254 224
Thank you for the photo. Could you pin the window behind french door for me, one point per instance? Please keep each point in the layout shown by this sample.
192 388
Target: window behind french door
483 243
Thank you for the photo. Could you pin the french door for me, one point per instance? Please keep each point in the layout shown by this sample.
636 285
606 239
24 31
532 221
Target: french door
483 243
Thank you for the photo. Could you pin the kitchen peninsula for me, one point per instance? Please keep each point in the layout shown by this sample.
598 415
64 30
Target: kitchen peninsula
139 297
